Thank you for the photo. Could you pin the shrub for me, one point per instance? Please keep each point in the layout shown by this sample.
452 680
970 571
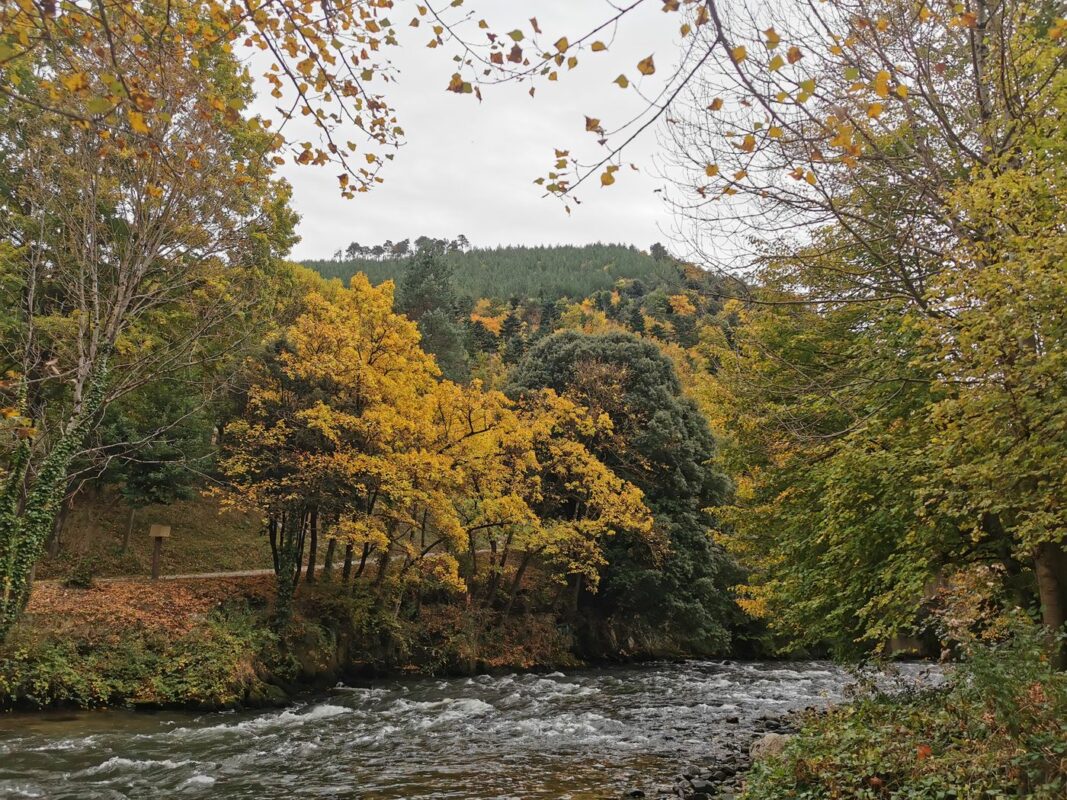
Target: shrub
999 729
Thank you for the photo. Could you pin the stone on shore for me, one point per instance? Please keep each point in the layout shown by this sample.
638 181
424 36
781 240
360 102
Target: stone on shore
768 746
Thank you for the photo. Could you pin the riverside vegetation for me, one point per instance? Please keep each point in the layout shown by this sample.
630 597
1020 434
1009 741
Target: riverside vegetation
848 436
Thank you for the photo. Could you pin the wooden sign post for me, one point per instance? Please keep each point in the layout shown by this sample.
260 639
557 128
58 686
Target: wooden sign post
158 534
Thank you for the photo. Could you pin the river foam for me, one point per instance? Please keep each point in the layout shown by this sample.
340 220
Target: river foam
581 735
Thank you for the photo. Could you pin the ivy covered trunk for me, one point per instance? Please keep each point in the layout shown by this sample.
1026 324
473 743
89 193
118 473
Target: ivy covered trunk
31 500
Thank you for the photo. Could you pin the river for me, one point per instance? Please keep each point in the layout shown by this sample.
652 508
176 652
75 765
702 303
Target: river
579 736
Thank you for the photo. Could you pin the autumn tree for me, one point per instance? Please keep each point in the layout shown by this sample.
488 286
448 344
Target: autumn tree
867 149
139 252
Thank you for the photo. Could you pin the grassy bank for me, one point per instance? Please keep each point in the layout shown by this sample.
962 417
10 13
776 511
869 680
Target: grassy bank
97 538
999 730
209 644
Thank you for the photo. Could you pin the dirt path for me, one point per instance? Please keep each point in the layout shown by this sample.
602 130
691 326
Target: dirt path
190 576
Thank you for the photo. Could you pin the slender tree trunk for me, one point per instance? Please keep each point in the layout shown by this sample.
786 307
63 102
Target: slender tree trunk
1050 566
494 575
301 541
327 564
289 566
346 572
272 532
383 568
517 583
129 529
363 560
313 548
55 542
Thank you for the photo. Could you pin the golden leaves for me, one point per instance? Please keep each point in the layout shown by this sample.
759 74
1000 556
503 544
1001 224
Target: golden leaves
646 66
137 122
598 47
738 54
622 82
75 82
880 85
772 39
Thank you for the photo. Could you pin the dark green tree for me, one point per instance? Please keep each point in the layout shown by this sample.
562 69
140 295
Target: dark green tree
661 442
444 339
426 286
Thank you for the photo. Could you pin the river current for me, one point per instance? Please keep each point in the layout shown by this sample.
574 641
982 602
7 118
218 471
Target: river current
576 736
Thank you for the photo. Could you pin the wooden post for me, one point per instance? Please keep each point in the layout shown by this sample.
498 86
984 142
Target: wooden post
158 534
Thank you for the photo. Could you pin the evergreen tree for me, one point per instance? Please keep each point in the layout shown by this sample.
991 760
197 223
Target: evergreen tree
426 286
660 442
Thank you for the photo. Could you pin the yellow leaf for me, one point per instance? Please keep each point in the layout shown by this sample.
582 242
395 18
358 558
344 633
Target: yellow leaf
685 30
749 143
902 91
774 132
810 177
622 81
874 110
739 54
137 121
793 55
562 45
776 64
592 124
716 104
772 38
75 82
646 66
711 170
881 84
598 47
606 178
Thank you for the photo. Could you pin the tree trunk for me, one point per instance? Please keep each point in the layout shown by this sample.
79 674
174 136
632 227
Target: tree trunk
1050 566
346 572
383 568
517 583
289 566
313 548
129 529
494 576
272 532
299 553
56 540
363 560
327 564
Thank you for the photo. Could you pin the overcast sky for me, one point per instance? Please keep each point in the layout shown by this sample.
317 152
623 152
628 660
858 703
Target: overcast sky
469 168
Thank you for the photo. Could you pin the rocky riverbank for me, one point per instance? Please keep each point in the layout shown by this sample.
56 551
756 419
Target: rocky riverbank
721 773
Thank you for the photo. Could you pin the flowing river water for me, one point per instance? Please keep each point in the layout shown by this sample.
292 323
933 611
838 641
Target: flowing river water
578 736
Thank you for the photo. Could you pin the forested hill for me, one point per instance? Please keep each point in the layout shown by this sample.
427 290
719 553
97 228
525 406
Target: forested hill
504 272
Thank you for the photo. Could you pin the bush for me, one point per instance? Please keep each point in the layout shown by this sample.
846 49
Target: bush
998 730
